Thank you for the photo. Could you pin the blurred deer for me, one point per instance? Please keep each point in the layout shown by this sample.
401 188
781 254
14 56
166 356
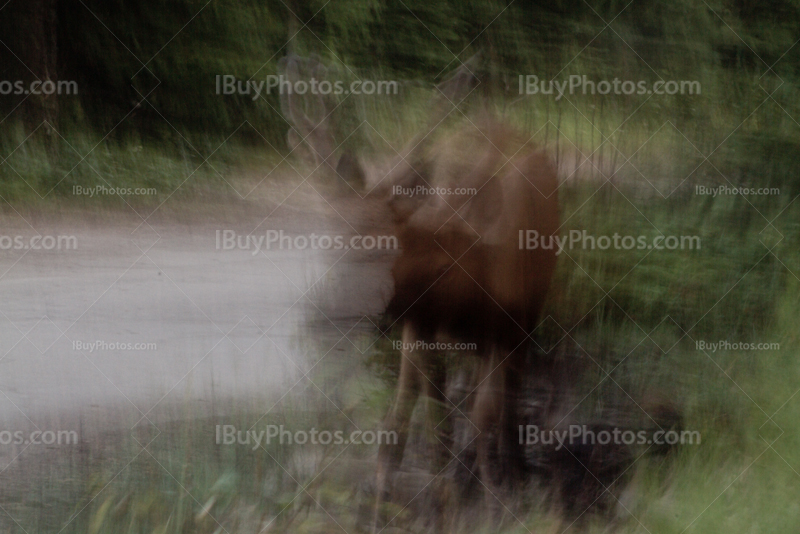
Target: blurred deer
461 197
309 116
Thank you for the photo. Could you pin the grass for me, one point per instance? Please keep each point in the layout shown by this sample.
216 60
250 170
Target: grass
744 475
45 169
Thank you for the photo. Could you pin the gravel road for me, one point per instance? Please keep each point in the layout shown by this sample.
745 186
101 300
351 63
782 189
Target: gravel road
143 318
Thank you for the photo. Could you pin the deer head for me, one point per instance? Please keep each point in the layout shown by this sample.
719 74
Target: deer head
310 118
312 132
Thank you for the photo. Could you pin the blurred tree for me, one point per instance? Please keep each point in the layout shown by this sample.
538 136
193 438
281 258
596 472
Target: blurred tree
147 71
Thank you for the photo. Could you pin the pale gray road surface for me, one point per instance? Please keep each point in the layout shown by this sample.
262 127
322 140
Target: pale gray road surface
198 324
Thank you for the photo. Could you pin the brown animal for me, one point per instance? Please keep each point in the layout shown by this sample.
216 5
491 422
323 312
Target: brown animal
460 198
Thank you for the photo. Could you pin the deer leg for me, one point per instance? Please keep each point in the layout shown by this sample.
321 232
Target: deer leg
437 411
487 411
390 455
499 454
439 425
512 458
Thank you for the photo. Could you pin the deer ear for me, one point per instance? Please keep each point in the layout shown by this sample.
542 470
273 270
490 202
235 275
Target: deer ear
462 81
307 114
350 170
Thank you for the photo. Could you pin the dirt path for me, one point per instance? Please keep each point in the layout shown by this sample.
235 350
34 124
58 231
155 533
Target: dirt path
139 319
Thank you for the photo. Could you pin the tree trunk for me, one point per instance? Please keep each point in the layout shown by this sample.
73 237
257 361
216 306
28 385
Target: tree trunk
38 50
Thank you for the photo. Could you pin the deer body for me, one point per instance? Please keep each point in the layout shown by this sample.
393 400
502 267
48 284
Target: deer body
462 275
461 270
460 198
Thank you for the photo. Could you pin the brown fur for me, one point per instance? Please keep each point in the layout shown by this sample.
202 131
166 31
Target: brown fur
461 275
